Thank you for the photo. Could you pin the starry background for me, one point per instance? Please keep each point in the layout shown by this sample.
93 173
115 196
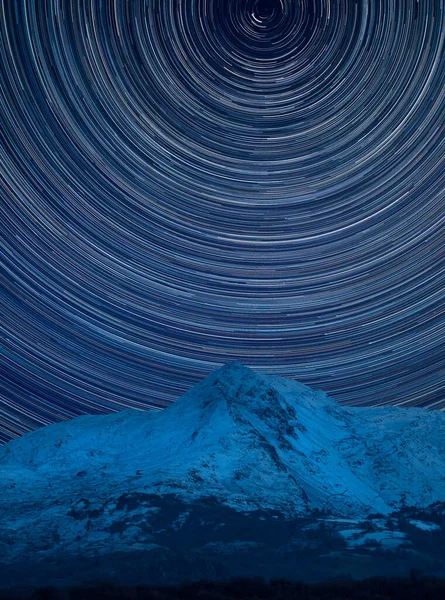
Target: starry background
186 182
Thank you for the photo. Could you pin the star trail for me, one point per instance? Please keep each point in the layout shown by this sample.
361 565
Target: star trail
187 182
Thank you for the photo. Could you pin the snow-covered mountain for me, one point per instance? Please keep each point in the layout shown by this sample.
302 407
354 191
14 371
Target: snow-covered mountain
248 442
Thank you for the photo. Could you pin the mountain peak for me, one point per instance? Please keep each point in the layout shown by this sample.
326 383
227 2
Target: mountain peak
235 384
233 380
234 368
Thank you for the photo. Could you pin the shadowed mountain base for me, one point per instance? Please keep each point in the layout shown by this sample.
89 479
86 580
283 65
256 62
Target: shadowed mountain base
254 589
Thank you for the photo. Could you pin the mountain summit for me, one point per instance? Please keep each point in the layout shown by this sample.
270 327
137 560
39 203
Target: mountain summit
249 442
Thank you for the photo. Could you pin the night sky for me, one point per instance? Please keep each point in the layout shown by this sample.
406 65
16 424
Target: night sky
187 182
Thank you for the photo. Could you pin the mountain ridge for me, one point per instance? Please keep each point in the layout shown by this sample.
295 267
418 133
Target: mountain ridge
235 460
227 425
248 442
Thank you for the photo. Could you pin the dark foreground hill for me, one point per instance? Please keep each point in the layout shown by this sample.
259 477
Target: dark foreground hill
414 588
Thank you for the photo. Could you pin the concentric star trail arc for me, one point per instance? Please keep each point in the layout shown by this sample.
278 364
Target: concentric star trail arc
187 182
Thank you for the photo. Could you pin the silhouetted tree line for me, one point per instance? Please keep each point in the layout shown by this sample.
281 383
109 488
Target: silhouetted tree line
414 588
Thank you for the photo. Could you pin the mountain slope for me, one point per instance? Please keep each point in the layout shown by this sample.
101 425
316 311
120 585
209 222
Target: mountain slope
249 441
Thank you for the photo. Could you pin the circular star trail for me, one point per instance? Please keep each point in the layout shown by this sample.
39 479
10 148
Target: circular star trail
187 182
